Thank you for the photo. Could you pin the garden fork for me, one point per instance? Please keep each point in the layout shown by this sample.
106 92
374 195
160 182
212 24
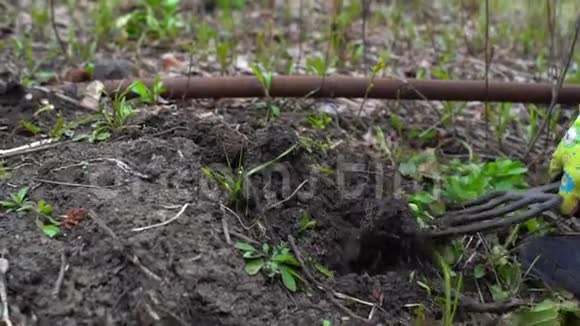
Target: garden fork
486 213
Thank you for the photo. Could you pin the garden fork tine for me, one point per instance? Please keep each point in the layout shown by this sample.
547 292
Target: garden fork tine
519 201
485 214
493 223
466 207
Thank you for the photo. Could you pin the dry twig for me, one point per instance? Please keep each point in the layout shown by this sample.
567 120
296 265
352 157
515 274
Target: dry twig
69 184
244 237
289 197
183 208
30 148
55 30
226 230
4 266
60 278
224 207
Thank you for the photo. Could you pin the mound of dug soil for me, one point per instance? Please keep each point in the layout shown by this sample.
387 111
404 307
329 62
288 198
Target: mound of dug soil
107 271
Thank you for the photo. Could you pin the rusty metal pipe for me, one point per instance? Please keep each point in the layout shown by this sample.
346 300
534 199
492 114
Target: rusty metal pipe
356 87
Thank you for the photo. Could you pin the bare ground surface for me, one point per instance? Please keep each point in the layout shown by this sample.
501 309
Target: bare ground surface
194 276
103 272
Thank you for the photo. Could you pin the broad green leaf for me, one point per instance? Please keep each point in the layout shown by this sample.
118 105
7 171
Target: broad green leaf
254 266
396 122
547 304
171 3
275 110
441 74
505 185
510 273
422 198
245 246
266 248
408 168
543 314
274 265
44 208
123 21
288 279
479 271
498 294
532 225
102 135
140 88
8 204
570 306
286 258
21 195
316 65
151 21
251 255
90 68
271 269
50 230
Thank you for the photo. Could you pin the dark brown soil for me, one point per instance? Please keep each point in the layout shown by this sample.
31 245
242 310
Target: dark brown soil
192 276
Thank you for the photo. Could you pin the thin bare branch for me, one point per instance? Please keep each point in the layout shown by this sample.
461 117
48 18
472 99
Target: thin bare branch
555 90
365 12
164 222
487 64
4 266
301 33
55 30
289 197
61 272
